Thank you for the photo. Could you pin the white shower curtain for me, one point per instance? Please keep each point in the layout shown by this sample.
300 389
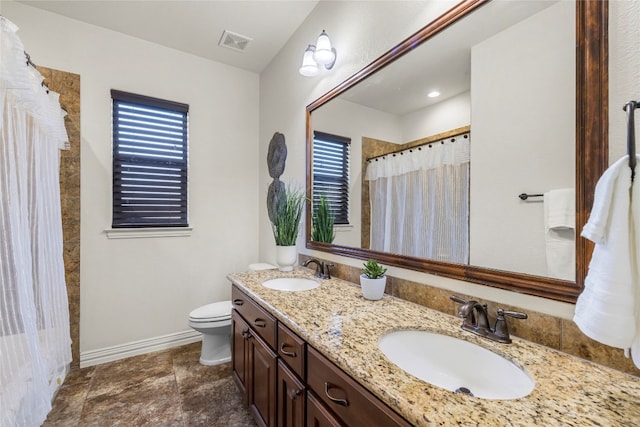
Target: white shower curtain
420 201
35 343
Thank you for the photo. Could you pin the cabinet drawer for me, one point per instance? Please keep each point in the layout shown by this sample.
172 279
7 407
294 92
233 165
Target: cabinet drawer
291 349
263 323
355 405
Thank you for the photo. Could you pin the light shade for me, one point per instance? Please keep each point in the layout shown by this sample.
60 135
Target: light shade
309 67
324 53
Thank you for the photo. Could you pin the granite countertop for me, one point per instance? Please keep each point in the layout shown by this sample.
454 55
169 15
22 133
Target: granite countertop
336 320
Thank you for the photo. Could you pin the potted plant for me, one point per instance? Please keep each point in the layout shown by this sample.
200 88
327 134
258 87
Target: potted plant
373 280
285 223
323 220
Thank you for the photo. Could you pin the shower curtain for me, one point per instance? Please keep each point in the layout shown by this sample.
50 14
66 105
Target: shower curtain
35 343
420 201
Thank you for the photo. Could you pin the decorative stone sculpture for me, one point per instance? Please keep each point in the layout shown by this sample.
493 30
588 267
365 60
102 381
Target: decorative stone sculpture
276 158
276 189
277 155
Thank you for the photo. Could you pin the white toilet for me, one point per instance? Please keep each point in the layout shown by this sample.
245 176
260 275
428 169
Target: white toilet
214 322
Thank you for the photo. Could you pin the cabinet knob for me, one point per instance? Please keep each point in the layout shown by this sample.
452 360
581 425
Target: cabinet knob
285 352
342 402
293 394
246 334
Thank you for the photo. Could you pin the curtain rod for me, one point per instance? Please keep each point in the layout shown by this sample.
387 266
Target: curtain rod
465 134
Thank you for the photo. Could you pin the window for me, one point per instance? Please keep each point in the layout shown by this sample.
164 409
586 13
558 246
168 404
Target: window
331 173
149 162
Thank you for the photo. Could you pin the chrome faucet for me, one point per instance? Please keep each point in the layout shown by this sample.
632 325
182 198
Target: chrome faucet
475 319
322 268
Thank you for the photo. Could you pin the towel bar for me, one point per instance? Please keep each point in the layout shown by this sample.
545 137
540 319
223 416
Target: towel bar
525 196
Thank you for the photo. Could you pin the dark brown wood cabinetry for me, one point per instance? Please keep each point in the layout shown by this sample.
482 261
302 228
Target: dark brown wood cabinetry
255 368
351 402
292 395
318 415
263 376
287 383
239 353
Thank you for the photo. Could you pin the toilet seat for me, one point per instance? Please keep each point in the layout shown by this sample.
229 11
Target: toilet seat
214 312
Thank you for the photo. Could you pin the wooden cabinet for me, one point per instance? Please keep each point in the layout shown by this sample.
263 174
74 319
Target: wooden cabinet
351 402
262 382
318 415
240 333
291 398
254 361
292 349
287 383
257 317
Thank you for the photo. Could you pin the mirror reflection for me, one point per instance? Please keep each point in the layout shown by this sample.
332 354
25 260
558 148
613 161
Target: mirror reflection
438 177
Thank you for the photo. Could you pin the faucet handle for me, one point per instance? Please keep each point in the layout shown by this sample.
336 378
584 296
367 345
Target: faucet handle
501 329
327 272
458 299
515 314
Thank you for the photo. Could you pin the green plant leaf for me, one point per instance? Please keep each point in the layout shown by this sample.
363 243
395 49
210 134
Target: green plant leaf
323 221
288 213
373 270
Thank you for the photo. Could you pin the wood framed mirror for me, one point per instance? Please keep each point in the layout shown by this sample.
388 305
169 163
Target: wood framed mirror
591 151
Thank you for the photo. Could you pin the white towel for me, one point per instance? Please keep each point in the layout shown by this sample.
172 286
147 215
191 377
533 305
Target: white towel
560 236
606 309
635 259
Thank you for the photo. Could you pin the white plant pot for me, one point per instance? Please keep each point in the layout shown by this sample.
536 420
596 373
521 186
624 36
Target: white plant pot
286 257
372 289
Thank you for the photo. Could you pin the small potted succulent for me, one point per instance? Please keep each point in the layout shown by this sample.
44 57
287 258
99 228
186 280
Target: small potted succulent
373 280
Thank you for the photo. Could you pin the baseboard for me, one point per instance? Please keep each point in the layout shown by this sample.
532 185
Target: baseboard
109 354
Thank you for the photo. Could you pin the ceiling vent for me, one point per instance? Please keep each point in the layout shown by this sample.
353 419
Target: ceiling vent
234 41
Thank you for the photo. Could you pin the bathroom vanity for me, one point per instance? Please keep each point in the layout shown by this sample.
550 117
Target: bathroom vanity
312 358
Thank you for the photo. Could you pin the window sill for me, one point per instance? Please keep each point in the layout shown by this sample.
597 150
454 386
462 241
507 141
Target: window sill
342 227
140 233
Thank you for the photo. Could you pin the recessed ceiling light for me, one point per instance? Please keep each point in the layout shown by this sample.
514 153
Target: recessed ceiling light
433 94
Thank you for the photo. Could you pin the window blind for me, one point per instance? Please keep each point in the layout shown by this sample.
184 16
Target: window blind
331 173
149 162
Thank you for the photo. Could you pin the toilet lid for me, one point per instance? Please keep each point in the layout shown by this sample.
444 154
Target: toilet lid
217 310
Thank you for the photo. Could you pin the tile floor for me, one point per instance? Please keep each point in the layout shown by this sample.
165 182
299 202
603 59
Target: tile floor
166 388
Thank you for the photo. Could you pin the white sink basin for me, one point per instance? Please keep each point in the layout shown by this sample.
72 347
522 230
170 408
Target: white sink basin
456 365
290 284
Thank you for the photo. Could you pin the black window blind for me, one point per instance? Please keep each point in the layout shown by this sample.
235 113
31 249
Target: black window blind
331 173
149 162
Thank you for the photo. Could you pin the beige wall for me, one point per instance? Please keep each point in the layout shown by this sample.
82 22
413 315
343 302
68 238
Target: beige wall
139 289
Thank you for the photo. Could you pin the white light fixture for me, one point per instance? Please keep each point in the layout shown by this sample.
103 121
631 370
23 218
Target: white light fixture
433 94
309 67
324 54
319 54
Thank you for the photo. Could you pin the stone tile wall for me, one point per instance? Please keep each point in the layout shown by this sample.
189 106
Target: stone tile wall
68 86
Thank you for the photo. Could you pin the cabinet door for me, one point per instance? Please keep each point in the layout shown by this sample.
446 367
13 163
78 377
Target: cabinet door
292 349
262 381
350 401
239 351
257 317
291 398
318 415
